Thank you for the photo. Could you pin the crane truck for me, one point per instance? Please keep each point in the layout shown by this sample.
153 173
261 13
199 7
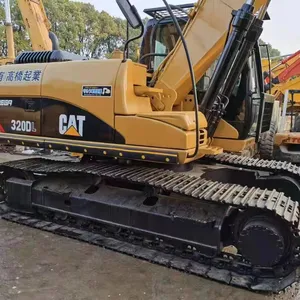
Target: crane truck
154 181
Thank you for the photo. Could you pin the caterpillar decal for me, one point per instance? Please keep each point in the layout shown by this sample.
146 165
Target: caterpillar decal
71 125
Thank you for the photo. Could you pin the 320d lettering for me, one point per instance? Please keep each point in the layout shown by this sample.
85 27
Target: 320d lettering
23 126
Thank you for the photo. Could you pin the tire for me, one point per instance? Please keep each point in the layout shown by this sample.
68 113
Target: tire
297 124
267 142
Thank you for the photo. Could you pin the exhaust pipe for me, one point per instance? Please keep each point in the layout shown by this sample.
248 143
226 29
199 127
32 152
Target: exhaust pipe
54 40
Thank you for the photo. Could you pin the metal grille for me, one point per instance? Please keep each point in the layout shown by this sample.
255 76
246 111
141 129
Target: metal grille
161 12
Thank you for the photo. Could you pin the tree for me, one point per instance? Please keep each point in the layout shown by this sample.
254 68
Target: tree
79 26
21 37
84 30
272 51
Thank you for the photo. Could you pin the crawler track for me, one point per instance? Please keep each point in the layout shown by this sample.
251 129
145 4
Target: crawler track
228 268
275 166
142 250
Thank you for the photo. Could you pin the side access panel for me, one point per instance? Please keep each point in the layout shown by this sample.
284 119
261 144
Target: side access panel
79 100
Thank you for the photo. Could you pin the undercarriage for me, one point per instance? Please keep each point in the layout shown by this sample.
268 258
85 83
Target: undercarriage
228 218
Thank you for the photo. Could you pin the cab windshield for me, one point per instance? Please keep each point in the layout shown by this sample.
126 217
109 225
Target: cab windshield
159 39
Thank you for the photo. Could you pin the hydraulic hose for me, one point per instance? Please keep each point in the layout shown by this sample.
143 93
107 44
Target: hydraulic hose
176 23
240 24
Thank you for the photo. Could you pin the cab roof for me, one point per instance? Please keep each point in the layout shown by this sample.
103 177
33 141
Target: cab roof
180 11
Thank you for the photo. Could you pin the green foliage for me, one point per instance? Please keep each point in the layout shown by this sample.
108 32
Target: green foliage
272 51
21 37
79 26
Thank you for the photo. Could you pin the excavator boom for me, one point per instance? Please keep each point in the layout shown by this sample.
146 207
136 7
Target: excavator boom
289 72
37 24
207 25
286 69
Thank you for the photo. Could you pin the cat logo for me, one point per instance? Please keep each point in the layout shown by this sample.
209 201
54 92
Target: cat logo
71 125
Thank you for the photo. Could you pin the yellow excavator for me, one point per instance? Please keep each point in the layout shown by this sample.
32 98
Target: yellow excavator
279 64
154 182
285 75
37 26
285 88
287 139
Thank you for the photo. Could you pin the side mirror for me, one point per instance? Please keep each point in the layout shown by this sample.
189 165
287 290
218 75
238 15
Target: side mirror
130 13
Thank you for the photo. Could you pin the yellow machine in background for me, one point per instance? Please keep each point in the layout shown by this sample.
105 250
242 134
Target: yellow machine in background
285 88
279 91
278 64
285 76
37 26
287 140
266 65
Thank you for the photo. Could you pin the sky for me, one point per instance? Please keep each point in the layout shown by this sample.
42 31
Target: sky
282 31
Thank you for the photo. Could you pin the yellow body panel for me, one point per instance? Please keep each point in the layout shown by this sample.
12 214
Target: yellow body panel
293 84
183 120
225 130
265 64
276 66
64 81
236 146
145 132
21 88
112 150
130 75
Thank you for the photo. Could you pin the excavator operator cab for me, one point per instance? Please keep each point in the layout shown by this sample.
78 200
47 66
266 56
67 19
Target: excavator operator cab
243 109
161 35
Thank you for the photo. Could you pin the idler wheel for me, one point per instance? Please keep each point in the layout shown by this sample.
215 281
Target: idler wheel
262 242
